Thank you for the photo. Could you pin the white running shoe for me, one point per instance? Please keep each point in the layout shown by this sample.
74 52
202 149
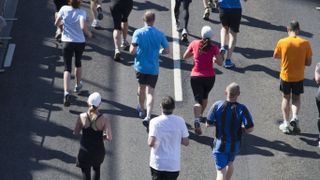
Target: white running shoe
285 128
295 124
95 23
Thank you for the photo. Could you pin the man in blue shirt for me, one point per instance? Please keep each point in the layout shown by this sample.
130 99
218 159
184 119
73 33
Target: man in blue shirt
230 16
230 119
147 43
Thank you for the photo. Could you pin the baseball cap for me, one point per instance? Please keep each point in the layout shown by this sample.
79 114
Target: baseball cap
206 32
94 99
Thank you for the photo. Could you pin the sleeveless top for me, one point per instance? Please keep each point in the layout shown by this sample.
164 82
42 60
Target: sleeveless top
92 139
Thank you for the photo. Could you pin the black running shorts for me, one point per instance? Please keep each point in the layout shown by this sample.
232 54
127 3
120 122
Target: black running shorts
231 17
147 79
69 49
291 87
201 87
120 12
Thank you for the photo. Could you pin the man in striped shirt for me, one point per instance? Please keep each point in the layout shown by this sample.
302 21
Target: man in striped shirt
230 119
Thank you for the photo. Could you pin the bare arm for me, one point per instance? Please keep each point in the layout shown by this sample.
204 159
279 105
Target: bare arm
185 141
151 141
58 21
317 74
164 51
84 28
133 49
308 61
218 59
77 127
249 130
187 55
107 130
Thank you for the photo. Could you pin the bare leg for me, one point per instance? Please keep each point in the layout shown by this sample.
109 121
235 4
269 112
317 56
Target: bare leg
296 103
197 109
232 43
229 171
285 107
204 105
117 38
141 96
66 81
93 8
124 26
221 174
78 75
150 100
223 35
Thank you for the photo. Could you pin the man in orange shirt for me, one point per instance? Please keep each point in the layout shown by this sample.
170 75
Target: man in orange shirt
295 53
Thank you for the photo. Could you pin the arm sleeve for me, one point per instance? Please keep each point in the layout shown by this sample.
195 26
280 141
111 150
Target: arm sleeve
246 118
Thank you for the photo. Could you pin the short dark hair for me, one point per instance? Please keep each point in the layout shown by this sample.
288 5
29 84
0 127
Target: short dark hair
74 3
149 17
294 26
167 105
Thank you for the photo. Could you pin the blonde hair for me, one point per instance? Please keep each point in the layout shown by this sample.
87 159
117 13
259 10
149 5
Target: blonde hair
233 90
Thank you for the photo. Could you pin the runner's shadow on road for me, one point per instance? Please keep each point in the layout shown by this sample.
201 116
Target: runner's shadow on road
310 139
254 22
251 53
270 72
252 144
140 6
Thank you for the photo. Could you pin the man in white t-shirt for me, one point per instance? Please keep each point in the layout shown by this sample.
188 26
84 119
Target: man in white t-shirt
166 134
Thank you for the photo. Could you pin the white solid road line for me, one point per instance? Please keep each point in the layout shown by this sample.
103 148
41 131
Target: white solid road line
176 57
9 55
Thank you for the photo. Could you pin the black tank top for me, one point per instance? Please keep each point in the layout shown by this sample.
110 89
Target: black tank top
92 140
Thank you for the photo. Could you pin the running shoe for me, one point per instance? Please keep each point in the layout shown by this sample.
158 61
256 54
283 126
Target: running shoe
295 124
66 100
203 119
95 24
206 13
197 127
125 45
141 112
285 128
100 14
228 63
145 122
184 35
77 87
116 56
58 35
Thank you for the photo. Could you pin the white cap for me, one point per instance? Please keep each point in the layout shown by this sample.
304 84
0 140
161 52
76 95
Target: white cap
206 32
94 99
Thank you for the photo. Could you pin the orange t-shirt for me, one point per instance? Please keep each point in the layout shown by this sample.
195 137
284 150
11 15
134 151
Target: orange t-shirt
294 51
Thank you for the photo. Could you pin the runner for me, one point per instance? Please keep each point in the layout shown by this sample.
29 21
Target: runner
59 4
184 27
317 79
230 119
95 128
295 53
204 53
96 11
73 20
167 133
230 16
146 43
120 10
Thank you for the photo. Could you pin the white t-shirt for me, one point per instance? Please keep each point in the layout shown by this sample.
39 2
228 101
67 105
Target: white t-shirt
168 131
71 18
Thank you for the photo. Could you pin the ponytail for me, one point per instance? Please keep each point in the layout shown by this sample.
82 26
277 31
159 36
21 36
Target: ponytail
92 109
205 45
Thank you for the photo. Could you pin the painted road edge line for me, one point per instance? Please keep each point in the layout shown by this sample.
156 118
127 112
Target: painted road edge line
176 57
9 55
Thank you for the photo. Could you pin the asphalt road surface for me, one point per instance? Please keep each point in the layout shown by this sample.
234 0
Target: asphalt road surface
36 140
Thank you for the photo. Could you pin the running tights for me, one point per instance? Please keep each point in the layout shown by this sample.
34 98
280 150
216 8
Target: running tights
185 12
86 173
318 106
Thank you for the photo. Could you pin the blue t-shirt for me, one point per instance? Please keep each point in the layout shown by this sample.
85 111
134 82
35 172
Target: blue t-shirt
149 41
230 3
228 123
